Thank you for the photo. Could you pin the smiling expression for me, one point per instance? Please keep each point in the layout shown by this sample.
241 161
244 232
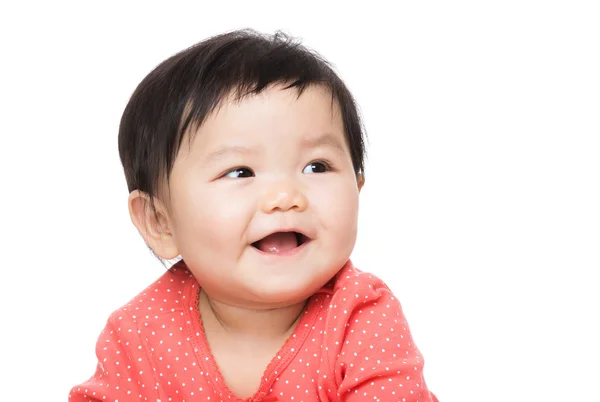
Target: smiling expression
264 202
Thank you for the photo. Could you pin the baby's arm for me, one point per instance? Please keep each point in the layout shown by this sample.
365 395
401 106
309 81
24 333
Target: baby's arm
378 360
124 371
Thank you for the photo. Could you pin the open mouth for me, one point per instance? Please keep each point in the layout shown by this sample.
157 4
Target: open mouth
281 242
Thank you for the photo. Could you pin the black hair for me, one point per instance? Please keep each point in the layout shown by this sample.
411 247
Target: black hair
183 90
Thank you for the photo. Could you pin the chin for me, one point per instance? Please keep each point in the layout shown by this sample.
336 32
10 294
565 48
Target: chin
281 296
289 290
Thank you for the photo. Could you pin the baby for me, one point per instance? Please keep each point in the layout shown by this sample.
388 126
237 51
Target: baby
244 157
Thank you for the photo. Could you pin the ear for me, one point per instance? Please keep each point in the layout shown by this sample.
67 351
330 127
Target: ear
360 179
154 228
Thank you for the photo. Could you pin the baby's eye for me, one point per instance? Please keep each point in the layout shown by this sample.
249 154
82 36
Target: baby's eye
239 173
316 167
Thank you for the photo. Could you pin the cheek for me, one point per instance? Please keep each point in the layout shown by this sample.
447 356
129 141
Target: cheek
338 208
214 221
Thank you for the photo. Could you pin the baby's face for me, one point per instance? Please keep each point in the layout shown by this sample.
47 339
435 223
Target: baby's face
265 201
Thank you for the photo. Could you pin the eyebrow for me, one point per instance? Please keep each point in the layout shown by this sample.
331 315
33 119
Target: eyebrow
327 140
219 153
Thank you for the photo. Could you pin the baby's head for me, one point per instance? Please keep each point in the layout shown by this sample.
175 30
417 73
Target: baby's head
244 155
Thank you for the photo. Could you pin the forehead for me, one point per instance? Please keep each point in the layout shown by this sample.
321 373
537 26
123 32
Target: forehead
275 116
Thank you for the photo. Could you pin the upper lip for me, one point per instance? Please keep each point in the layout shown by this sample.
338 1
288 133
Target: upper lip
283 230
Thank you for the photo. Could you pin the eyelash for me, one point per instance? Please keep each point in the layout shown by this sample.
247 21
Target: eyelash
327 165
237 169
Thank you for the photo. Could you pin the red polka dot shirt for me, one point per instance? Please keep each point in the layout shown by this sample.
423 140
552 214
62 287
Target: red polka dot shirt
352 343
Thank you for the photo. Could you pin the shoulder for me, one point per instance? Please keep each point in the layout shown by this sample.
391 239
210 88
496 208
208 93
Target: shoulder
362 303
369 342
163 295
357 285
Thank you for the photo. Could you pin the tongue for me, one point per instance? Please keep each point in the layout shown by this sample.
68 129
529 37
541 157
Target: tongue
278 242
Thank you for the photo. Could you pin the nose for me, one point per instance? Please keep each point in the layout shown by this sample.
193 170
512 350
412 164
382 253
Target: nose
284 196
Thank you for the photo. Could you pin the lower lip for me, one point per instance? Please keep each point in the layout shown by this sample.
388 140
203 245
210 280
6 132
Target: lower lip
287 253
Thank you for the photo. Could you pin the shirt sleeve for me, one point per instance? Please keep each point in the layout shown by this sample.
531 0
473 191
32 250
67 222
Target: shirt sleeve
123 372
378 360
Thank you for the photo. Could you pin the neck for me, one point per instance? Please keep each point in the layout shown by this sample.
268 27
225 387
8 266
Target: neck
240 321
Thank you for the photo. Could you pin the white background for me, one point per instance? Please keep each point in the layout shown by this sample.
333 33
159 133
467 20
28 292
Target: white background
481 208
